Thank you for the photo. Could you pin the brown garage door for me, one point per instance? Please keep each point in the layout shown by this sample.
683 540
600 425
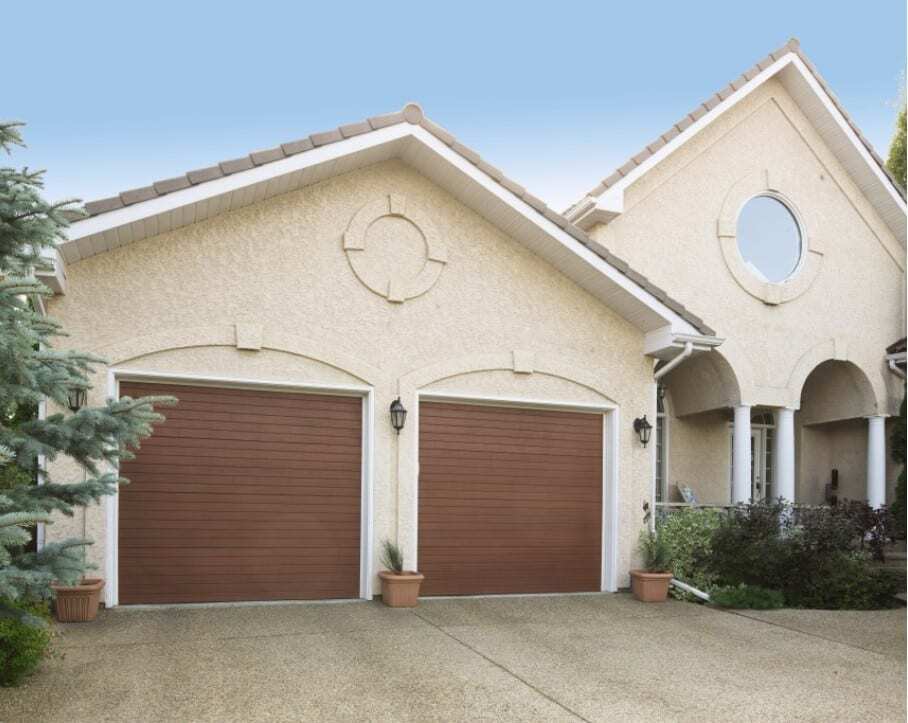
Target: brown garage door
242 495
510 500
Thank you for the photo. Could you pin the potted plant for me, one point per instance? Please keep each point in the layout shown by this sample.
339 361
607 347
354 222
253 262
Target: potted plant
651 583
78 603
399 588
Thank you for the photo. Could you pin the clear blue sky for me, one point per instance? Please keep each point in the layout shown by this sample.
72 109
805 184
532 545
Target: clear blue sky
117 95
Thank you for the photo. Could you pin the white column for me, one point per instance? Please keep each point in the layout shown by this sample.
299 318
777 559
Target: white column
876 461
741 465
784 454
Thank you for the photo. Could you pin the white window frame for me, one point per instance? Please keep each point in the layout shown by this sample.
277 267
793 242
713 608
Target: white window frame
608 579
112 502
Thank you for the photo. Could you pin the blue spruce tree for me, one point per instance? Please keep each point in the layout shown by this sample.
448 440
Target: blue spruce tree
31 370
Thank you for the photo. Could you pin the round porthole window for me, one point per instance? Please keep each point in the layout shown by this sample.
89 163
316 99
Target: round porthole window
769 239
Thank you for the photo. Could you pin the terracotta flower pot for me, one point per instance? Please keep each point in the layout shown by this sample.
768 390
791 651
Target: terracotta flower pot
78 603
400 589
650 586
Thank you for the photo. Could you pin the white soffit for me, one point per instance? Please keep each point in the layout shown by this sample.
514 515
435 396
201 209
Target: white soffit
431 158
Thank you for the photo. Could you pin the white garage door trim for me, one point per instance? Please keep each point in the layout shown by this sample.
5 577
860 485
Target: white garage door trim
610 446
112 502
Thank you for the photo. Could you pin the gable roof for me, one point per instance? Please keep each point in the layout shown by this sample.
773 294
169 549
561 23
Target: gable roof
773 64
170 203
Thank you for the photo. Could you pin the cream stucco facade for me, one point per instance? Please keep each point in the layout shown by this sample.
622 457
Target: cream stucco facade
820 350
281 266
392 262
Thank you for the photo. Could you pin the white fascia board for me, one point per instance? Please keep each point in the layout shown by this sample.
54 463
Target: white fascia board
677 323
612 201
54 274
666 343
846 128
226 184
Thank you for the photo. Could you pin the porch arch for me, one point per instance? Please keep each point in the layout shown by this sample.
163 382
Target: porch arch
704 383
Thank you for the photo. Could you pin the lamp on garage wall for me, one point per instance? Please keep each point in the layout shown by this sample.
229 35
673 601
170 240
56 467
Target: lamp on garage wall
398 415
76 398
643 429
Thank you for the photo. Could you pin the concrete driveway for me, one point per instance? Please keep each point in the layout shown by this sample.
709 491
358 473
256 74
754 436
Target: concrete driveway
565 658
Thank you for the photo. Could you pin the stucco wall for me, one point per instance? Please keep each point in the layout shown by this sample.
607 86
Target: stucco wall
699 456
170 303
853 309
855 306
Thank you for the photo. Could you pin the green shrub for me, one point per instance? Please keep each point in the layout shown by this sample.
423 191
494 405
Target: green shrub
688 534
811 558
23 646
845 581
655 553
747 597
747 547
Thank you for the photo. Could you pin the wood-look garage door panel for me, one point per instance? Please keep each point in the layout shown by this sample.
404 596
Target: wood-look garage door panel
510 499
242 495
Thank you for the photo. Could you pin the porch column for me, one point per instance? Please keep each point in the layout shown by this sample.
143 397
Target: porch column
741 460
784 454
876 461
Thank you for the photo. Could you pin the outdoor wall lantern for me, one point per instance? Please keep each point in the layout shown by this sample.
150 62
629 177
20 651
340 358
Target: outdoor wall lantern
398 415
643 429
76 398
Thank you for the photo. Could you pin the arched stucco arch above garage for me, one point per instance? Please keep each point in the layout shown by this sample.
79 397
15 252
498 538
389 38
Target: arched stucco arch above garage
247 339
515 378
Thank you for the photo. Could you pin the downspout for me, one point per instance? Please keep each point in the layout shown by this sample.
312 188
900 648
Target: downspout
657 375
690 589
688 350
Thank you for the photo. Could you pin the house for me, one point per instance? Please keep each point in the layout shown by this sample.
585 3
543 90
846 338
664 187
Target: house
736 286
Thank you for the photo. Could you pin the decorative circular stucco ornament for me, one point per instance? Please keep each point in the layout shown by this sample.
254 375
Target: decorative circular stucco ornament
393 249
811 254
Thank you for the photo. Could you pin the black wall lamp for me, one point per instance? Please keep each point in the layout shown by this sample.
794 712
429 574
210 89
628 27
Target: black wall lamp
398 415
643 429
76 398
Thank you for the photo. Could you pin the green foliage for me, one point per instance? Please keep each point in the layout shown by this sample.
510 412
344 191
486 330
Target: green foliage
23 645
811 557
655 552
32 370
844 581
896 161
746 547
688 535
747 597
899 505
392 556
873 528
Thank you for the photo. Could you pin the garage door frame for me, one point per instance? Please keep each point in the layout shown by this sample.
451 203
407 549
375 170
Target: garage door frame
610 437
366 393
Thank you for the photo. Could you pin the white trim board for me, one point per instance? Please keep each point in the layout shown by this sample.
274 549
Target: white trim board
838 135
112 502
610 467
